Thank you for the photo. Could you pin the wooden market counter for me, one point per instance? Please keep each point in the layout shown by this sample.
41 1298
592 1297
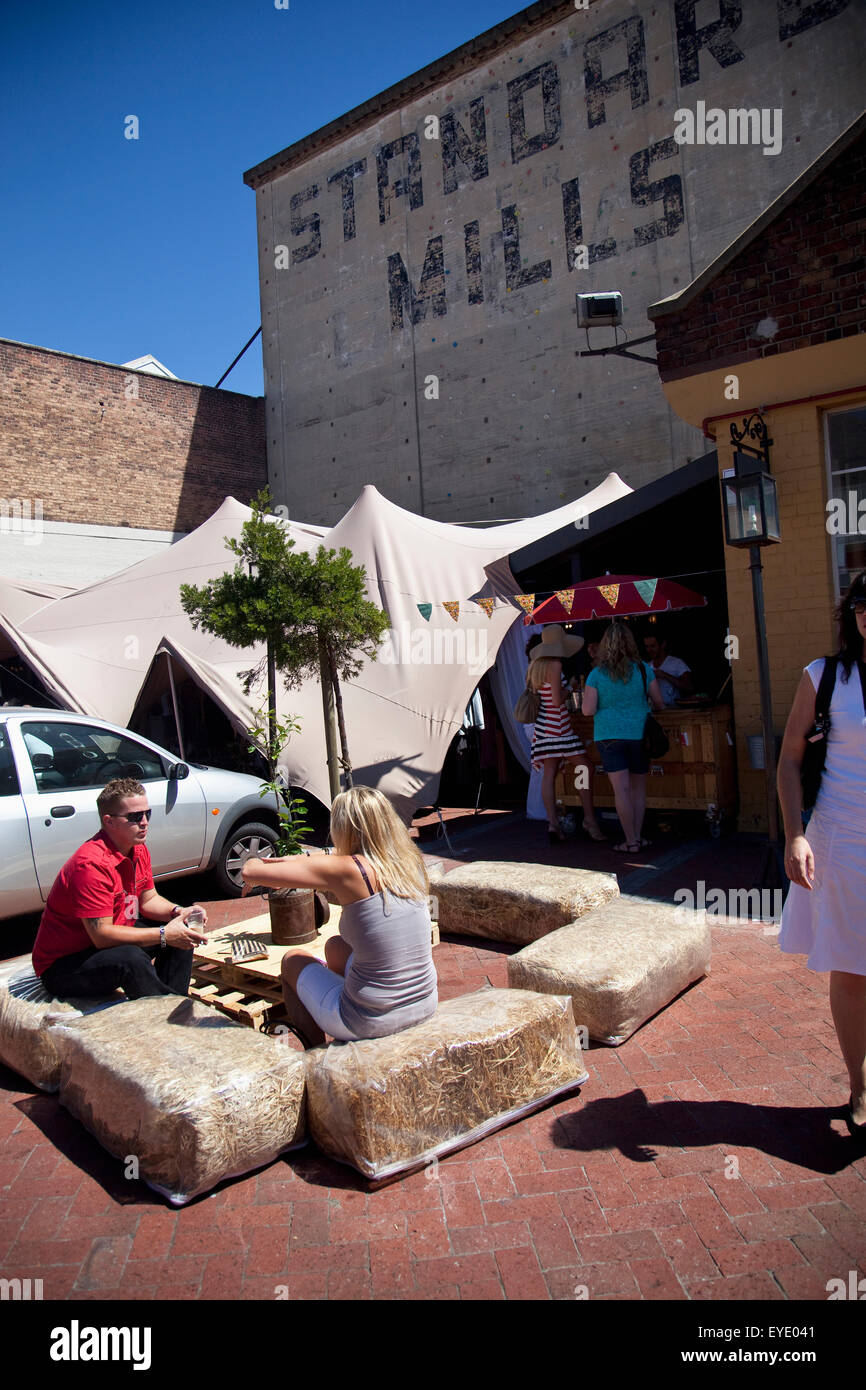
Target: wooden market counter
698 768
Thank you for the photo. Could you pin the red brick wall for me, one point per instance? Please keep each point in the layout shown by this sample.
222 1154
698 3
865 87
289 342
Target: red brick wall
74 433
807 270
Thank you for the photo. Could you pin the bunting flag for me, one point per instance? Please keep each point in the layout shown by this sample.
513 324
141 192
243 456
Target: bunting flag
452 606
487 605
610 592
425 609
647 589
526 601
566 598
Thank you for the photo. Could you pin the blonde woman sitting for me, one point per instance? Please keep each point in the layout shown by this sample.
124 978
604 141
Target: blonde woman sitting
379 977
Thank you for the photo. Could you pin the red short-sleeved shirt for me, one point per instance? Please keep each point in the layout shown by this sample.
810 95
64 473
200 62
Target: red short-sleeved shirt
98 881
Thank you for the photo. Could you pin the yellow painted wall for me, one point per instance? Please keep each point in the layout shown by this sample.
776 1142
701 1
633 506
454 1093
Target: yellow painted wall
799 593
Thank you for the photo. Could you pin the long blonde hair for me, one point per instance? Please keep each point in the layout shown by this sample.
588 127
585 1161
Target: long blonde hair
617 652
363 821
541 671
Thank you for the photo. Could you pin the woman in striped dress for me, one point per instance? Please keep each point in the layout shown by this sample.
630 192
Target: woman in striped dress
554 743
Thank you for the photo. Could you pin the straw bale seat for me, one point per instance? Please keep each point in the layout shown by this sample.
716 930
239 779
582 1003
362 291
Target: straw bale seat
620 965
192 1096
26 1011
384 1105
517 902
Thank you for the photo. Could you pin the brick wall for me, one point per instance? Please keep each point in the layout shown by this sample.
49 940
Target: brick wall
798 592
807 271
103 444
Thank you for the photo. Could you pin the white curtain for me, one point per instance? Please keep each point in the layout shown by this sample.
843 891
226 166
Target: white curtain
507 679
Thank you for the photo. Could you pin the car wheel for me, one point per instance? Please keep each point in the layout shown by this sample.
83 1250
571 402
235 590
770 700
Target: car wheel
251 838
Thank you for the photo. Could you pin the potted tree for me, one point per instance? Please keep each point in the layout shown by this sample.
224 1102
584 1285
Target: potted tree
296 913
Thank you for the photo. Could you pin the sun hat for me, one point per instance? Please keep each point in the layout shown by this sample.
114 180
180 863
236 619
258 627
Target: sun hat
555 643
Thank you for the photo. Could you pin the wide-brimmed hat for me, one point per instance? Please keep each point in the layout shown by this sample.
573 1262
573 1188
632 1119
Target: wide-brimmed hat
555 643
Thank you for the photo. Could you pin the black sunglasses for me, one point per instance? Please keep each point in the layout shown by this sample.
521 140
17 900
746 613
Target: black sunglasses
134 817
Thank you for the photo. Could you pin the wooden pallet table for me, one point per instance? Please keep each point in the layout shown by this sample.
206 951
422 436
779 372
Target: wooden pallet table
252 992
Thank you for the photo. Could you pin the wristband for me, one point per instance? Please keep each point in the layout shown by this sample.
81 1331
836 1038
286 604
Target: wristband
162 937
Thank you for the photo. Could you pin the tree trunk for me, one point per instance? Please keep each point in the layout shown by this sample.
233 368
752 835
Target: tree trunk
330 723
273 753
338 697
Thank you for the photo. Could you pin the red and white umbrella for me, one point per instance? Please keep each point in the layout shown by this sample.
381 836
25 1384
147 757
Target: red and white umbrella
614 596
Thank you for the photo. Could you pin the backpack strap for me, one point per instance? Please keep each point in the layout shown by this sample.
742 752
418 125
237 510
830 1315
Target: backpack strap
826 685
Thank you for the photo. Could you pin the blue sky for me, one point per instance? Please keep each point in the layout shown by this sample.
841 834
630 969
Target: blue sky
113 248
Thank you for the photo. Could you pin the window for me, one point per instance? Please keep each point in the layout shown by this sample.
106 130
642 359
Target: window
846 504
67 757
8 775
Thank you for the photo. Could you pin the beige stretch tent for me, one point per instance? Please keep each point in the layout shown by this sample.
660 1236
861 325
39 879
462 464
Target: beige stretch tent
402 711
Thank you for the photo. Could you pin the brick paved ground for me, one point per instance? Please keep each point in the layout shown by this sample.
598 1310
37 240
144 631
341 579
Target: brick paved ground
702 1160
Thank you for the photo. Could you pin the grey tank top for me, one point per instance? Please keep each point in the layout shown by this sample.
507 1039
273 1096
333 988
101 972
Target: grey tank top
391 980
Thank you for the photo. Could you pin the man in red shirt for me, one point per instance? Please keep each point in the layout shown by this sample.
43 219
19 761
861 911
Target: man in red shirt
88 942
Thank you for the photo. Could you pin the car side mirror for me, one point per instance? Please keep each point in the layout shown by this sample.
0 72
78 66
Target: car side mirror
177 772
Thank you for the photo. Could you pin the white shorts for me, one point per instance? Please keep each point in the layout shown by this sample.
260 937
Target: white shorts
320 990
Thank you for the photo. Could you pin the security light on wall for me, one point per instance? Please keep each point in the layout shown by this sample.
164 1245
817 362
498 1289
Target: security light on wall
605 311
599 310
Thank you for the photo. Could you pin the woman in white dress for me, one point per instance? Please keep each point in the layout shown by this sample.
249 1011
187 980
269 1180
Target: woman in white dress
825 912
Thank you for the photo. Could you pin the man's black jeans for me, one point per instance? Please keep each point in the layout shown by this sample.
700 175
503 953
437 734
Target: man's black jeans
138 970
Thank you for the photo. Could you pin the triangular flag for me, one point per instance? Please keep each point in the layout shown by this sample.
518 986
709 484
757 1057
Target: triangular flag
487 605
425 609
452 607
647 589
610 592
566 598
526 601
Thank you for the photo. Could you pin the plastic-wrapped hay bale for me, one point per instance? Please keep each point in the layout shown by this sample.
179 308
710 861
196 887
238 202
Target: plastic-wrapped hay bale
193 1096
26 1011
620 966
518 902
387 1104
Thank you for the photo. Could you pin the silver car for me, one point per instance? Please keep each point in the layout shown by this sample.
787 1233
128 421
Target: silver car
53 765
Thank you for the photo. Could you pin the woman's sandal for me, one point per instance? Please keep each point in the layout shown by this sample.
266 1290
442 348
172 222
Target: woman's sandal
594 833
627 848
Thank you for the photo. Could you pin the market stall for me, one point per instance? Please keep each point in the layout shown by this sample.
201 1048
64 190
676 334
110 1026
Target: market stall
697 772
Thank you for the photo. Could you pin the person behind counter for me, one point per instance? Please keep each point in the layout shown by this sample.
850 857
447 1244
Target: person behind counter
673 675
616 696
379 976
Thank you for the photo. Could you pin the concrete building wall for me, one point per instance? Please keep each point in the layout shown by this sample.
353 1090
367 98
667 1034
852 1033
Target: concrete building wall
419 327
89 442
70 553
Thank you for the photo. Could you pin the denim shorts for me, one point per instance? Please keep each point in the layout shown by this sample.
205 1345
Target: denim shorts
623 755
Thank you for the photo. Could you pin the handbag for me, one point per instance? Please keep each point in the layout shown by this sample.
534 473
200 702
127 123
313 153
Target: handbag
655 741
528 705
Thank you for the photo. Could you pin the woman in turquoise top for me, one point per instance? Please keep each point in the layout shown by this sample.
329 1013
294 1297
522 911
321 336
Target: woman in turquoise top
616 695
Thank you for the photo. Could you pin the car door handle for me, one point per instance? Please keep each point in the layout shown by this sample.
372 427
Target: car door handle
60 811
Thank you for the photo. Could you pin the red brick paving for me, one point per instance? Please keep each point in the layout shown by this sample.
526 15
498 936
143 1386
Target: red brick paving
702 1160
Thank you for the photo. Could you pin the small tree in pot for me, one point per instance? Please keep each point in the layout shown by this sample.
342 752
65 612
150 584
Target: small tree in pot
294 915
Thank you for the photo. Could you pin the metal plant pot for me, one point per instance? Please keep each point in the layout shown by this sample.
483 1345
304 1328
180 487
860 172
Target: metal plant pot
293 916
